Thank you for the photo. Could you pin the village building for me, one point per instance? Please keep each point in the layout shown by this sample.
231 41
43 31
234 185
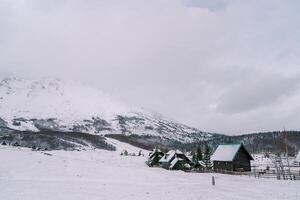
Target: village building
179 164
16 144
175 160
199 166
154 157
232 157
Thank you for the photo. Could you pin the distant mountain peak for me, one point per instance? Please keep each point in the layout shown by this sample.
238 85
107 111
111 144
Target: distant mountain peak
55 98
69 106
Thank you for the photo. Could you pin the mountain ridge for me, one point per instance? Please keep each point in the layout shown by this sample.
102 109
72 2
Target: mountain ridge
53 113
53 104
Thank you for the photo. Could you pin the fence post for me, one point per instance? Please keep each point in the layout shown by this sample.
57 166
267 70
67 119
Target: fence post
213 180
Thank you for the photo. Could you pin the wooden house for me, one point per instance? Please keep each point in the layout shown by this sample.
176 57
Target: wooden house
175 160
231 157
154 157
199 166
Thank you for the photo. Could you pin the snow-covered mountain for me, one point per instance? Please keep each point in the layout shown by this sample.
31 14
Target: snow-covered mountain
54 104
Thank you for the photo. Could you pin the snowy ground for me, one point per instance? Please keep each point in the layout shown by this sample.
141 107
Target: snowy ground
100 175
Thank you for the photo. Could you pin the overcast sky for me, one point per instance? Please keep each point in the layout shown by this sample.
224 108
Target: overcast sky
227 66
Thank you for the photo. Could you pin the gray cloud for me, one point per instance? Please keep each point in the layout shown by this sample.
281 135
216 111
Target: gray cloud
223 71
257 91
214 5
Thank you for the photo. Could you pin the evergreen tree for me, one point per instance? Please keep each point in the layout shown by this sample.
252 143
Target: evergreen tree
199 155
194 156
207 153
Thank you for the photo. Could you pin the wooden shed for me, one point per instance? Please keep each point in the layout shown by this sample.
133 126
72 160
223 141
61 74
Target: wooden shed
231 157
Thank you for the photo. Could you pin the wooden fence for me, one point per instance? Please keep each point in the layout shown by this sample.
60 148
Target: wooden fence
283 175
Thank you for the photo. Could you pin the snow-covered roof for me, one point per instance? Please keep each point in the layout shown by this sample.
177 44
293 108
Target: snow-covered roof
226 152
169 155
169 152
189 157
173 163
298 157
154 151
174 151
202 163
178 152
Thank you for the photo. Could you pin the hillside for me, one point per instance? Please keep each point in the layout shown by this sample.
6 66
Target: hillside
106 175
59 106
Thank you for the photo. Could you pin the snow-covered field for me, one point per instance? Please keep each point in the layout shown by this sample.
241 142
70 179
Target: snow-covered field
99 175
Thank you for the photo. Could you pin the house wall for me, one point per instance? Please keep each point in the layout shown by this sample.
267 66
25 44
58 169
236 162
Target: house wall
165 165
182 156
223 165
241 161
155 159
178 166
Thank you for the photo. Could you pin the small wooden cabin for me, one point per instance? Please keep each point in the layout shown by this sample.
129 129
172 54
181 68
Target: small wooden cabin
232 157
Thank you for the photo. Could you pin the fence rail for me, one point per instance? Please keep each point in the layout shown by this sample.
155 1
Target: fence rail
283 175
